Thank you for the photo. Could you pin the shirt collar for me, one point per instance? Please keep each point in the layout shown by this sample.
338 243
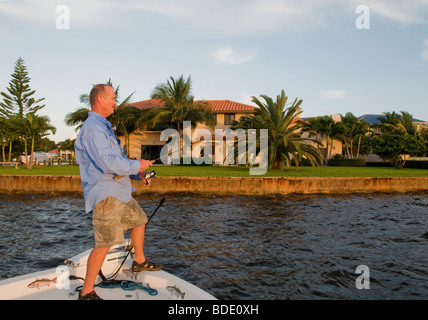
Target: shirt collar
99 117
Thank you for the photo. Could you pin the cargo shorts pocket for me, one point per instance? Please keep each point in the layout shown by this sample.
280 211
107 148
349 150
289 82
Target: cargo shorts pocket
106 221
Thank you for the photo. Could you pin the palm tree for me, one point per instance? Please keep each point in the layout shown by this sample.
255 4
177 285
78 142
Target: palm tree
32 127
394 123
286 144
37 127
79 116
68 145
353 129
326 126
388 124
178 105
124 119
406 125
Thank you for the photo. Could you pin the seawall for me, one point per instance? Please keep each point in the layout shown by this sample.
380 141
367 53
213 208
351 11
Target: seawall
227 185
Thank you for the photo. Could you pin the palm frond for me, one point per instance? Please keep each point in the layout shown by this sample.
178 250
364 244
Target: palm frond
285 142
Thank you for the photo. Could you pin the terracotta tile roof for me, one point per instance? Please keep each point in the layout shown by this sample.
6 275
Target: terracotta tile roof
218 106
147 104
224 106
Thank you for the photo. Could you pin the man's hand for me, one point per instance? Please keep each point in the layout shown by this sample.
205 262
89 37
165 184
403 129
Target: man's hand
145 164
142 176
147 182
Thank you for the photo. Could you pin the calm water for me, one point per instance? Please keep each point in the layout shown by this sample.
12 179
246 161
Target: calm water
291 247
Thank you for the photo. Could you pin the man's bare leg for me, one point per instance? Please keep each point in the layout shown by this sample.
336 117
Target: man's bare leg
94 264
137 238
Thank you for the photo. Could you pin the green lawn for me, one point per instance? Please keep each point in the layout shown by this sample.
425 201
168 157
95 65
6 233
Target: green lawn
206 171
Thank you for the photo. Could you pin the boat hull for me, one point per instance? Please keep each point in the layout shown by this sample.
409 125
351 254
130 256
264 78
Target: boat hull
56 284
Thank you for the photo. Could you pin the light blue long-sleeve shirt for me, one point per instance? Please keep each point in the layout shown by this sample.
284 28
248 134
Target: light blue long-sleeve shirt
100 159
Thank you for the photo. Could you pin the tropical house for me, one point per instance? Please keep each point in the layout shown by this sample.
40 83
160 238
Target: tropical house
146 143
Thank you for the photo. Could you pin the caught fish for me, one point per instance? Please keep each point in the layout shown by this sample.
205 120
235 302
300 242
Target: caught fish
41 282
176 291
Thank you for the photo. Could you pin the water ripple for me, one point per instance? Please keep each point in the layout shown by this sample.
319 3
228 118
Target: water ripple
288 247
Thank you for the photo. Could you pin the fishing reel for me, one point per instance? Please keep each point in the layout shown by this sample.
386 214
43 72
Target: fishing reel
148 175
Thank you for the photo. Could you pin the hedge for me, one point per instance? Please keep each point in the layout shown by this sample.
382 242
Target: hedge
414 164
347 162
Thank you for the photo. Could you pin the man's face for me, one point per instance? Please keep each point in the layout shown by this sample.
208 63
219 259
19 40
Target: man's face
108 101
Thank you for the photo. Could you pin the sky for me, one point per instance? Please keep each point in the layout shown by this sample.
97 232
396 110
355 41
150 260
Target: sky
338 56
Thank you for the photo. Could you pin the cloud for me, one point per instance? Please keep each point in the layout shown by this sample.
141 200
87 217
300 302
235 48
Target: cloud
333 94
228 55
239 16
249 16
403 11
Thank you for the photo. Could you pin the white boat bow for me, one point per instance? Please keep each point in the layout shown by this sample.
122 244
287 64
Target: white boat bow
61 283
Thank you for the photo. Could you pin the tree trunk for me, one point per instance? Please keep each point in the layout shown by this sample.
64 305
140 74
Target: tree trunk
359 145
327 155
26 153
10 150
3 153
126 135
32 153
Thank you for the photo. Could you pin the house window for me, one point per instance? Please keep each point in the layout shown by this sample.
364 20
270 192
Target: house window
229 118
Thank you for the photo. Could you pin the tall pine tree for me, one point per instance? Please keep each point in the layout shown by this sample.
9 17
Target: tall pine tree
19 100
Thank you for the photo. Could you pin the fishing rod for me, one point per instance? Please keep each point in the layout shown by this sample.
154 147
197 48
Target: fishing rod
159 205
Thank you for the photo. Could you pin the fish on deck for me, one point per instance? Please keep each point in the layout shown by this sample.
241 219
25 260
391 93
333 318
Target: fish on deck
176 291
41 282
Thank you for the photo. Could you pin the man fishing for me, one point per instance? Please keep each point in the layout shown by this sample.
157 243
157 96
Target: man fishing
105 173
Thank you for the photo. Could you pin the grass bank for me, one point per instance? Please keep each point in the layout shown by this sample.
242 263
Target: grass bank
211 171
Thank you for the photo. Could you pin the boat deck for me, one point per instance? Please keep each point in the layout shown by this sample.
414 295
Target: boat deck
55 284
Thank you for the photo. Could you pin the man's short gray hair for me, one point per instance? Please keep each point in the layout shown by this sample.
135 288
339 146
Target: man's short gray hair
97 90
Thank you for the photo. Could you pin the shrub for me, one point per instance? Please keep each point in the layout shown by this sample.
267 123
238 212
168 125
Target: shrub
338 162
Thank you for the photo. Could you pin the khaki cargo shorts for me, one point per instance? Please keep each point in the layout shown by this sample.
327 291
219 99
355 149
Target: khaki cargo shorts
111 218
